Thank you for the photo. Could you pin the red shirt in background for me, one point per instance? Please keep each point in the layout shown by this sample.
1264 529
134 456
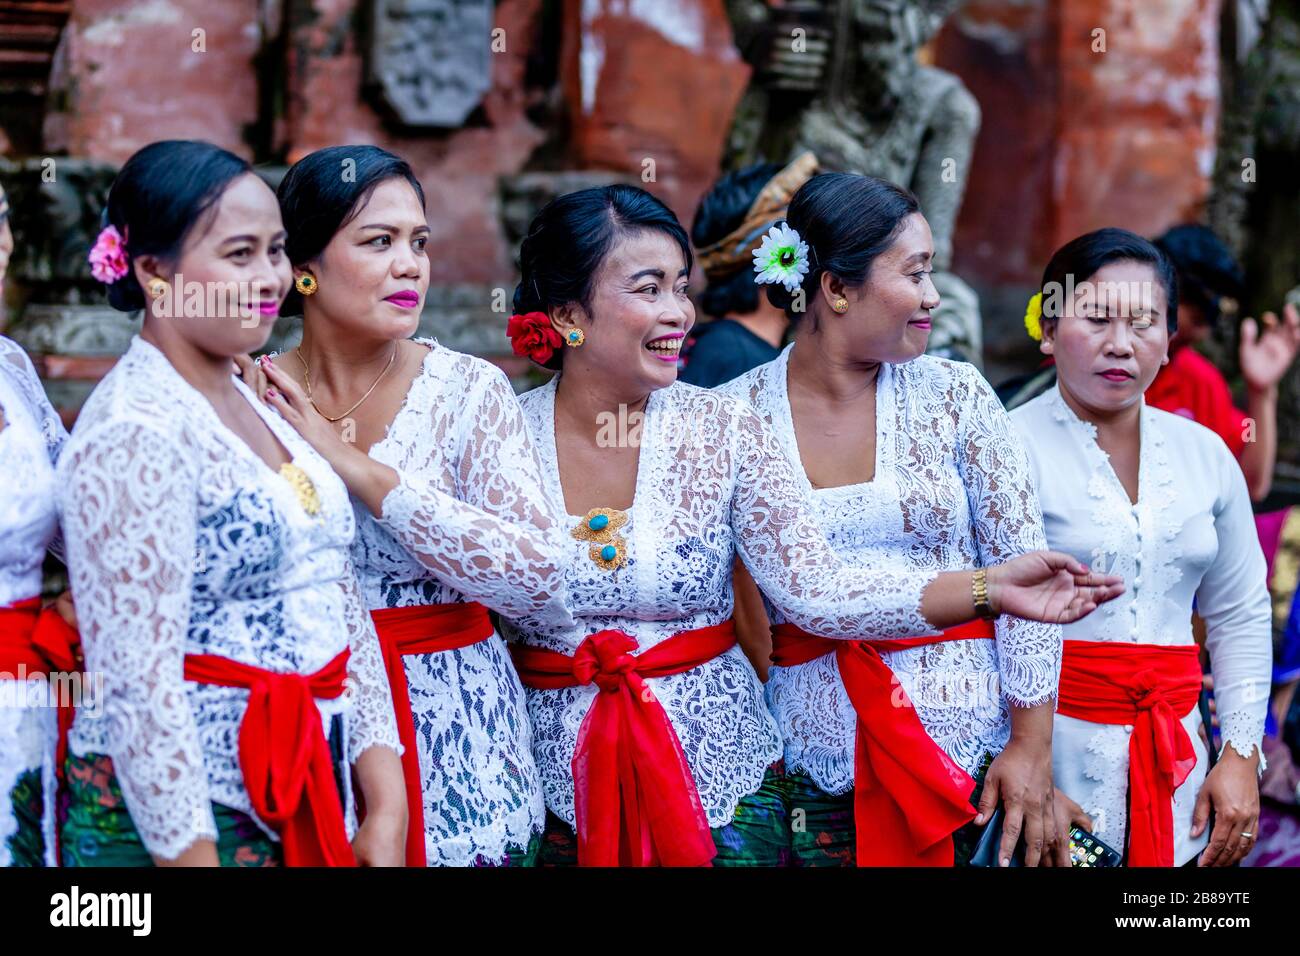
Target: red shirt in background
1191 386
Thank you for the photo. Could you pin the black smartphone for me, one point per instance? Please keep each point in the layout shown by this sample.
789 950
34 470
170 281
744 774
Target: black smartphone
1088 850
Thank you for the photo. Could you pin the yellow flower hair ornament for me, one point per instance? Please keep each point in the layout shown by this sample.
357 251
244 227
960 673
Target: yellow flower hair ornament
1034 317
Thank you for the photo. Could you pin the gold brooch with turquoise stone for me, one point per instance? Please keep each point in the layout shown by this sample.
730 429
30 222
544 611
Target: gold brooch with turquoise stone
600 528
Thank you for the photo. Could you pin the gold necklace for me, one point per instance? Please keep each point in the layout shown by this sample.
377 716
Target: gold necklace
306 375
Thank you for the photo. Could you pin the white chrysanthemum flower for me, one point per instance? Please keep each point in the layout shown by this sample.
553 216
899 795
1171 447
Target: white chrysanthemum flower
783 258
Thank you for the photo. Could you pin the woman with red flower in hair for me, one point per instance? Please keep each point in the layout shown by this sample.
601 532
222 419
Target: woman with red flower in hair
650 732
533 335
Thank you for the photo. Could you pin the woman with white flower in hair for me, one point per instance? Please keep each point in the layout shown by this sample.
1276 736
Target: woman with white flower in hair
651 736
909 461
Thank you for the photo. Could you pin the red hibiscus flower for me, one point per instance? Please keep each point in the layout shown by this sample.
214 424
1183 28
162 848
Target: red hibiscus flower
534 336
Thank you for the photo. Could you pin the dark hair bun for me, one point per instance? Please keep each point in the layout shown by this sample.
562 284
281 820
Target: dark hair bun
568 240
317 199
721 211
847 220
159 195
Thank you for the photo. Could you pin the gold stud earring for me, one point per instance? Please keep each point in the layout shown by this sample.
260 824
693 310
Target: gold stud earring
156 287
574 338
841 305
305 283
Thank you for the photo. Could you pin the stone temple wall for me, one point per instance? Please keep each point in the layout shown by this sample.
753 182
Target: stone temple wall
564 93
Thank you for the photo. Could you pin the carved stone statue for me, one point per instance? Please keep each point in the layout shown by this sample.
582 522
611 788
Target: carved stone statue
430 60
842 78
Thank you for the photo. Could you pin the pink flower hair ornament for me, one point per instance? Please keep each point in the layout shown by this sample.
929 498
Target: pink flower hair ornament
108 261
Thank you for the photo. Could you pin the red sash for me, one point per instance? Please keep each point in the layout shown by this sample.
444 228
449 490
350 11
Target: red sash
634 796
1152 687
423 629
42 643
909 796
284 756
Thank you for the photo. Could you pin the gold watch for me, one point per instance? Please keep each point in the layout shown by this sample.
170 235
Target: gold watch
979 592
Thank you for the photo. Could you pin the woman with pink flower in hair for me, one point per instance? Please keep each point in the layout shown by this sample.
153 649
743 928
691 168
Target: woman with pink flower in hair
33 641
208 547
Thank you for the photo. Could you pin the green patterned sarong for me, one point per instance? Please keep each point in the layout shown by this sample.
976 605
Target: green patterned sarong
756 835
515 856
823 831
98 830
26 845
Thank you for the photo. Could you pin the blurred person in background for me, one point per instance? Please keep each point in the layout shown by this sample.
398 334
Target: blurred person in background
746 330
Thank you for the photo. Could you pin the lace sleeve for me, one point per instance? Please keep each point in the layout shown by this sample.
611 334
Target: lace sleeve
23 374
1233 600
496 544
1007 522
371 723
790 560
128 497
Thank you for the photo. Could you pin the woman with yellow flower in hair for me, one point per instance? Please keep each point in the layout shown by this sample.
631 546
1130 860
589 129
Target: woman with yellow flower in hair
1160 500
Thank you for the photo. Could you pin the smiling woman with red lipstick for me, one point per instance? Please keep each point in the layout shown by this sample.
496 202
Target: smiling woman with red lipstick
651 734
1160 500
911 465
451 520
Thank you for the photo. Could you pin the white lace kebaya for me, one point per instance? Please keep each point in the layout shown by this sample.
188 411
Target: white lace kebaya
711 481
30 442
459 437
951 492
181 541
1190 537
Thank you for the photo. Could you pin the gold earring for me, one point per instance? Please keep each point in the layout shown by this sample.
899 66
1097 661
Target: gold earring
305 283
156 287
574 338
841 305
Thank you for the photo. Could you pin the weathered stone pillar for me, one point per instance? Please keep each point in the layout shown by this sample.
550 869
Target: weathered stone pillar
1095 113
652 86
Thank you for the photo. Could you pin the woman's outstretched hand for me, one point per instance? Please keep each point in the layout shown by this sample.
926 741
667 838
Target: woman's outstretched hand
1049 586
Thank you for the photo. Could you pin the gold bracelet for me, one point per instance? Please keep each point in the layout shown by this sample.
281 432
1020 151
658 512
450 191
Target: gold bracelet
979 590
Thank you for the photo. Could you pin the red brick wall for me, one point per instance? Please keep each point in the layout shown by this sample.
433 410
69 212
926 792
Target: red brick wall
1074 139
127 74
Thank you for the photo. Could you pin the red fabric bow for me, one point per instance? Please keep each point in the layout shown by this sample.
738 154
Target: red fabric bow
532 335
43 643
634 795
283 753
909 796
423 629
1152 687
